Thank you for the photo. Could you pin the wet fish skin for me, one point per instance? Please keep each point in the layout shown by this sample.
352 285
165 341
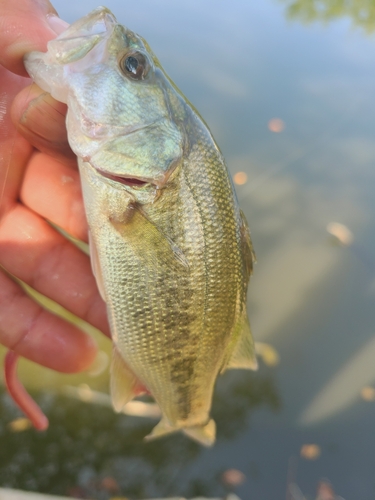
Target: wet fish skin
170 248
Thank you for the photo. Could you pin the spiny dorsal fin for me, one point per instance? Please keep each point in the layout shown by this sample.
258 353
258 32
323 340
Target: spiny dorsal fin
247 247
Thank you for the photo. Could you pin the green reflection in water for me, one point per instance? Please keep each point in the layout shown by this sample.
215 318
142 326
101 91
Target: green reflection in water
361 12
91 452
86 443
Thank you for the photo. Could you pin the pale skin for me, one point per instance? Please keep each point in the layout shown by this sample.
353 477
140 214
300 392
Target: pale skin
39 181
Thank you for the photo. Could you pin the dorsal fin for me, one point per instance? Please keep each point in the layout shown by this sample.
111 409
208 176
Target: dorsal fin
248 253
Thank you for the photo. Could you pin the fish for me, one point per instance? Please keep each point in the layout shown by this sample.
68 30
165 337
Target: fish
170 248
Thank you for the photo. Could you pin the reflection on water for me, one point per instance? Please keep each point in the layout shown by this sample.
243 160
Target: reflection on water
86 443
324 491
276 125
344 388
310 451
341 233
20 424
291 107
83 392
361 12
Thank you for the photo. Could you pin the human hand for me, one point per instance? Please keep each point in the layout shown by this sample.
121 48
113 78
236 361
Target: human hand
39 180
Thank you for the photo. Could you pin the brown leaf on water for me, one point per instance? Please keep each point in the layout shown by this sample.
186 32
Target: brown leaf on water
233 477
276 125
20 424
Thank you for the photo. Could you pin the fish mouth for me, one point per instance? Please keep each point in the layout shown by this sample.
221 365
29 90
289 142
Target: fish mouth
127 181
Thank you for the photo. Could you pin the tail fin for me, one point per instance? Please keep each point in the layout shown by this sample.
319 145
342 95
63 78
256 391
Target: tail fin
204 434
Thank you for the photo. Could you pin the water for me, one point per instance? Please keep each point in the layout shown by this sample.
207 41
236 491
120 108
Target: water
243 63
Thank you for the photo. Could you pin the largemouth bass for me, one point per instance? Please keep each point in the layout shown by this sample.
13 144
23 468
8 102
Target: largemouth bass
170 248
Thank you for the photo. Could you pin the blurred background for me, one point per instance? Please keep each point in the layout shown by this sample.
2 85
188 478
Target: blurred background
288 90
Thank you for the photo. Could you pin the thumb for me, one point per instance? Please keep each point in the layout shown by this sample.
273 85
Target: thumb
26 25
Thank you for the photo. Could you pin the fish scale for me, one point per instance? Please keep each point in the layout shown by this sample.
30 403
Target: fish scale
170 248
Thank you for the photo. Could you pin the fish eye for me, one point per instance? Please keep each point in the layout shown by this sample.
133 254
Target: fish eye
134 66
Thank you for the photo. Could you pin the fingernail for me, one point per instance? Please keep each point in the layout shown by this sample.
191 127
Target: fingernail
46 117
43 124
57 24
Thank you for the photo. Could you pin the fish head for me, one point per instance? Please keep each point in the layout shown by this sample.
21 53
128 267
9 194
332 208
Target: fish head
121 119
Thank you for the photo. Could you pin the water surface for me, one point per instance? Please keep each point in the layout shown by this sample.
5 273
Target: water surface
242 64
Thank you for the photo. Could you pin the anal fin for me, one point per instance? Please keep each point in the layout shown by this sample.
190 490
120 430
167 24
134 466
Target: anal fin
243 355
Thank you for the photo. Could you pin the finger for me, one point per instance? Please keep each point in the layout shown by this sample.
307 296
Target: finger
19 394
37 254
53 190
41 120
39 335
25 25
14 149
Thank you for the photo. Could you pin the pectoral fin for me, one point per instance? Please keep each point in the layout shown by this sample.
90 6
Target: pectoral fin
124 384
148 241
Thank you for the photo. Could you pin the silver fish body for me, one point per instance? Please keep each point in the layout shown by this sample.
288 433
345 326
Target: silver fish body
170 248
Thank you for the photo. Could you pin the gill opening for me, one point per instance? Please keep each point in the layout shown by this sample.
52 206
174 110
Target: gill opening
127 181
